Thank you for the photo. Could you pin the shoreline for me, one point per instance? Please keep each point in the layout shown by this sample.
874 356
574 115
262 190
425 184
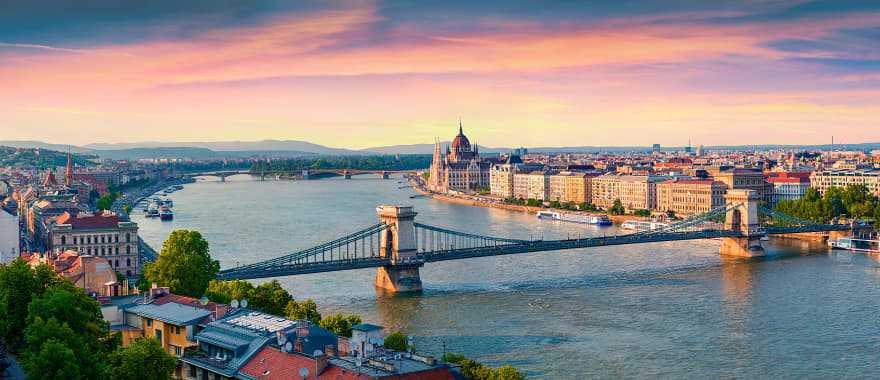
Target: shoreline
416 185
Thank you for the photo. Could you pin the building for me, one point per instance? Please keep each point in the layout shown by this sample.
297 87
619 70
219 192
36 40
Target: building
501 175
101 234
9 237
635 192
788 186
227 346
43 211
90 273
746 179
822 180
531 185
460 169
687 197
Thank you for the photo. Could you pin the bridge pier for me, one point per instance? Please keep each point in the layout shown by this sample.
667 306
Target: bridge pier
745 247
385 175
745 220
398 242
346 174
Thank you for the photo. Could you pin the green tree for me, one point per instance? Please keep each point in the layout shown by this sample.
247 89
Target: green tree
531 202
270 298
104 202
144 359
617 208
555 204
340 324
53 361
19 284
670 214
184 264
396 341
642 213
306 310
507 372
226 291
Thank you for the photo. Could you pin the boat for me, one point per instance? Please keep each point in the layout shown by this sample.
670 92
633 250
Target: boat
165 213
599 220
852 244
152 210
641 225
166 202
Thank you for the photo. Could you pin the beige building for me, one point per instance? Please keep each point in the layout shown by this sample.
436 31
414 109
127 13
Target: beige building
690 197
635 192
102 234
822 180
90 273
501 176
745 179
533 185
570 187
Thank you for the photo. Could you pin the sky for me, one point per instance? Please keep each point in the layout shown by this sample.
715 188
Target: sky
358 74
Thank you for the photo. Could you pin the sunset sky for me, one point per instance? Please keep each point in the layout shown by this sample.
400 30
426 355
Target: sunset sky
361 74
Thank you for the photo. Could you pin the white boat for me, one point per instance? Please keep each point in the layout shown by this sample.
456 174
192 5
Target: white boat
166 202
600 220
641 225
152 210
165 213
859 245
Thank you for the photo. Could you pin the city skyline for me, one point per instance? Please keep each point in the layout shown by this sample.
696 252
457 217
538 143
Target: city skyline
372 74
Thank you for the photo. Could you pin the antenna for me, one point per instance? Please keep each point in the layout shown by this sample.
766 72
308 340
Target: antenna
243 303
304 372
203 300
234 304
288 347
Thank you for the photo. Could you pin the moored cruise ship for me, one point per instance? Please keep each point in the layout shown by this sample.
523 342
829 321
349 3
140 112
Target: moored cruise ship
641 225
852 244
599 220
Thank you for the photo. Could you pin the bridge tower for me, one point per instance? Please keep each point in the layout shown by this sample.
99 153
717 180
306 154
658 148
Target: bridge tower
346 174
743 219
398 242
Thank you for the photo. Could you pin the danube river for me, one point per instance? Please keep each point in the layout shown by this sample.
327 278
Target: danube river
653 310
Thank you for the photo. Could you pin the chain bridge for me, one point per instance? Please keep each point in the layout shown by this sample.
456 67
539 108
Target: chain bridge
398 246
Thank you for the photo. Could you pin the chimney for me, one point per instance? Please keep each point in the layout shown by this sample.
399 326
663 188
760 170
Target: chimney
320 364
298 345
330 350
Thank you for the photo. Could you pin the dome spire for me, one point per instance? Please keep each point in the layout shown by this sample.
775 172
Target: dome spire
460 132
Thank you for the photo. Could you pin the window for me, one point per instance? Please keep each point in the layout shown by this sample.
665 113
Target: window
128 249
63 240
128 262
150 322
127 237
192 370
117 263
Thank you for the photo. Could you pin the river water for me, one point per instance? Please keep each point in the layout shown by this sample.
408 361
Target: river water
671 310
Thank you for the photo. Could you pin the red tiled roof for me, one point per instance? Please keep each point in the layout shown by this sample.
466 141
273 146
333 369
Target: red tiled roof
787 180
219 309
284 366
105 220
692 181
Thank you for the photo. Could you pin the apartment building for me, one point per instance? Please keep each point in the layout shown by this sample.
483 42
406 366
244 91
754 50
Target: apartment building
687 197
822 180
746 179
102 234
532 185
635 192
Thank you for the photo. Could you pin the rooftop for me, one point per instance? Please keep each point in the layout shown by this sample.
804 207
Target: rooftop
173 313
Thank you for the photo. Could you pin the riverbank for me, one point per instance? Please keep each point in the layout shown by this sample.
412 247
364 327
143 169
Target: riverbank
475 201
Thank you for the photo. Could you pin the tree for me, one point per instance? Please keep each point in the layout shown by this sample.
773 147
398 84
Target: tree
555 204
104 202
54 360
270 298
670 214
184 264
508 373
19 284
642 213
339 324
226 291
617 208
306 310
144 359
396 341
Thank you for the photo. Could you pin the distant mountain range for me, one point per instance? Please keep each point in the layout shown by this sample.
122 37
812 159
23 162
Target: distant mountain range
294 148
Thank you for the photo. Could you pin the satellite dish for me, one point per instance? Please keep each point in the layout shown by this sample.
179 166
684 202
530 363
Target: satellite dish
234 304
304 372
203 300
288 347
244 303
317 353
